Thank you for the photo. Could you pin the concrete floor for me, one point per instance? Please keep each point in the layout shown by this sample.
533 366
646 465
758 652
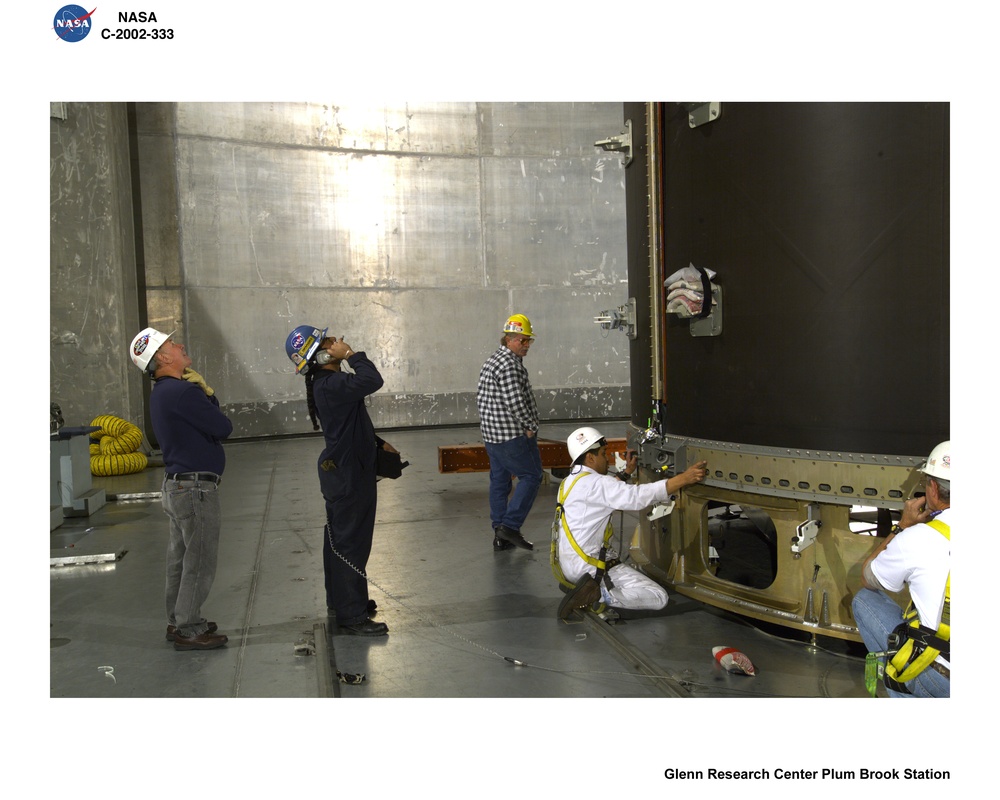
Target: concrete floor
442 705
460 615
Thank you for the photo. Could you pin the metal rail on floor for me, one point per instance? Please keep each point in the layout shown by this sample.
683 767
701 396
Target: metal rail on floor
325 666
666 685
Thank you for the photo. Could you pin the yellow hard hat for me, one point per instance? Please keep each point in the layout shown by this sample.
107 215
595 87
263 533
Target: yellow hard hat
518 323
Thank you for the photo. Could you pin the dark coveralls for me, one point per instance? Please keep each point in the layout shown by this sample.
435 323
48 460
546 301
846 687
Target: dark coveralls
347 480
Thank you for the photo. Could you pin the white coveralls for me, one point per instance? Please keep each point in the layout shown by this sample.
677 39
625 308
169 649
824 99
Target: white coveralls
587 510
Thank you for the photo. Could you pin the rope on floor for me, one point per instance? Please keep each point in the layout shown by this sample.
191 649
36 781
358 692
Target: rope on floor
673 682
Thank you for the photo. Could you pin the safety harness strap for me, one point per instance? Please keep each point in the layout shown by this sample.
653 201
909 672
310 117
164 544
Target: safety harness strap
597 563
918 646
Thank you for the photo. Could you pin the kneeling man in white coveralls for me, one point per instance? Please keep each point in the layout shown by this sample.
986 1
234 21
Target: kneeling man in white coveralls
588 497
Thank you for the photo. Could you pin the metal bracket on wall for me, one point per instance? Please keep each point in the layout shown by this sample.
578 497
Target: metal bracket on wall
702 113
806 533
712 324
621 143
620 319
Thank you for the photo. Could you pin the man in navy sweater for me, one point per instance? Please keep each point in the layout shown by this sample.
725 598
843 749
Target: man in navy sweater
189 427
347 468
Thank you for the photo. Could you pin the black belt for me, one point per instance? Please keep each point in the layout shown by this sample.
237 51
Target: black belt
208 477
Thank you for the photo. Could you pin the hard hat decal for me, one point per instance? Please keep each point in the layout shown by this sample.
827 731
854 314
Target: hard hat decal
518 323
938 464
145 345
302 343
944 462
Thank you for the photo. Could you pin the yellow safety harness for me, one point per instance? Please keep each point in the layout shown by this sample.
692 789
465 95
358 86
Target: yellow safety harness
916 646
559 524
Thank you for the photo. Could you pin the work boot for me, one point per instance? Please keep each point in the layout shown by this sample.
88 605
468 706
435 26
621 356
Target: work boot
172 630
367 628
586 592
514 537
500 544
203 641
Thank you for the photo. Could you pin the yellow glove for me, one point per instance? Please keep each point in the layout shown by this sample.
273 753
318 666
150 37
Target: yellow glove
194 377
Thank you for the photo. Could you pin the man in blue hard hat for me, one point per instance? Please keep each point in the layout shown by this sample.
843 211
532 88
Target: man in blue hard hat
346 466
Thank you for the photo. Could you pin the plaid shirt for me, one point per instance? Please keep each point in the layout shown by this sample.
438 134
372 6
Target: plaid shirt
504 399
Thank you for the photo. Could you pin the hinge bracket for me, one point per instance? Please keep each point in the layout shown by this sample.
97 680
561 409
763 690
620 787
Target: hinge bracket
621 143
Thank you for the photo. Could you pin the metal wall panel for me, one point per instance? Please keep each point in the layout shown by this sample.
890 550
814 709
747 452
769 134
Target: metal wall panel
426 128
547 218
92 302
412 230
256 217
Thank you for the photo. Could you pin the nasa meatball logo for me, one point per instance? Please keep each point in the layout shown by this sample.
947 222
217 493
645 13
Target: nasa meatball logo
72 23
297 341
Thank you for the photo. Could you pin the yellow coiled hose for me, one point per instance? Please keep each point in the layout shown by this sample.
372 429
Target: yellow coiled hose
115 451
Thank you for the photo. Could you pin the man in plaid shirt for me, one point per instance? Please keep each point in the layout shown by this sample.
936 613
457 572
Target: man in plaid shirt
508 420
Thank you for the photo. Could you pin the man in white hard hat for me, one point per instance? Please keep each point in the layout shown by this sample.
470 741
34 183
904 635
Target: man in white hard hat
189 427
587 498
915 555
508 421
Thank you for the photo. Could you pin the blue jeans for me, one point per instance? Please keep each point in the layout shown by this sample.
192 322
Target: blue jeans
192 551
877 615
518 458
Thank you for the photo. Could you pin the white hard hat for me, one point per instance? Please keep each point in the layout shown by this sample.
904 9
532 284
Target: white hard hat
581 440
938 463
144 346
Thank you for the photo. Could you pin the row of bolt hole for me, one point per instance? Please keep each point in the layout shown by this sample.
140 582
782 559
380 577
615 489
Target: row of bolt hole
805 486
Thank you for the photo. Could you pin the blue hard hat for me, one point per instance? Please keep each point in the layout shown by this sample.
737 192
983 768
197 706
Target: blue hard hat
302 344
